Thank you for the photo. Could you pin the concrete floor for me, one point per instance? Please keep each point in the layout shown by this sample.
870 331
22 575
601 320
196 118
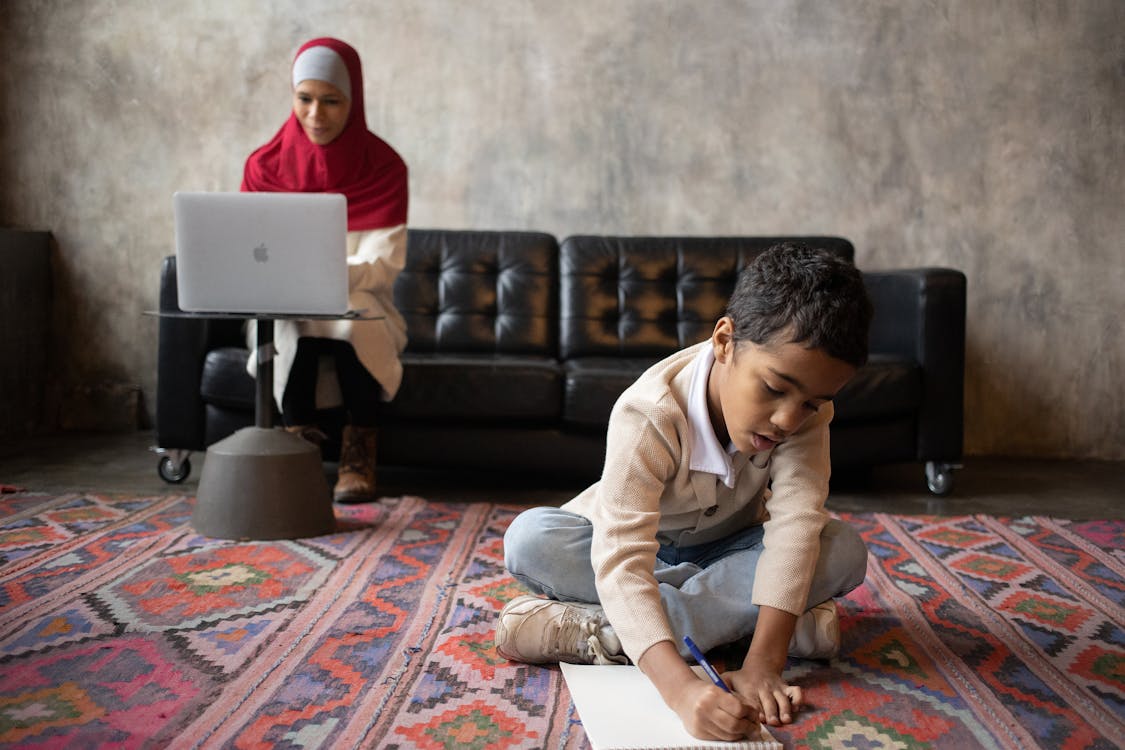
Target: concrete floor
123 463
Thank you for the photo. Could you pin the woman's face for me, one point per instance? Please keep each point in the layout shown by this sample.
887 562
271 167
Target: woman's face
322 109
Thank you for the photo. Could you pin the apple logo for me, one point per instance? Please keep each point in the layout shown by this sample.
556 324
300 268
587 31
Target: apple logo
261 253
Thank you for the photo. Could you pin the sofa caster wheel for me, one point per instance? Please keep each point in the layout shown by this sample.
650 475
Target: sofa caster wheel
939 477
171 471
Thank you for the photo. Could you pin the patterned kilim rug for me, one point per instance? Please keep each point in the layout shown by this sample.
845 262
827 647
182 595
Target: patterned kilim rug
119 626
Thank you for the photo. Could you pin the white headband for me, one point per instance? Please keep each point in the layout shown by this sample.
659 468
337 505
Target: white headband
322 64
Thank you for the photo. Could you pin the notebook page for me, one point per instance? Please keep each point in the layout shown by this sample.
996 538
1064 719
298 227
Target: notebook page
621 710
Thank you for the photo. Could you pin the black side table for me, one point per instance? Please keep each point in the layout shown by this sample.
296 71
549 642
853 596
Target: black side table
263 482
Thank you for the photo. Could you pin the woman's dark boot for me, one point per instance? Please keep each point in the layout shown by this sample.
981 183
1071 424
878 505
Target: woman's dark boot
355 481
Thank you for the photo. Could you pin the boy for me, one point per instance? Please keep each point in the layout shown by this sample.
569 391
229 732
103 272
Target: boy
709 518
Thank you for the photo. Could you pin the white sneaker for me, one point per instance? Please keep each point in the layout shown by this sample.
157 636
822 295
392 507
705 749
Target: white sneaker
545 631
817 635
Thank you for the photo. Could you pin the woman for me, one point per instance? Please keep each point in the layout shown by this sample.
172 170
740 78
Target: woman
325 146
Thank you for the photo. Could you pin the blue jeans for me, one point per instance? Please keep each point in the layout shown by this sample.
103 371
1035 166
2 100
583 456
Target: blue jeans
706 589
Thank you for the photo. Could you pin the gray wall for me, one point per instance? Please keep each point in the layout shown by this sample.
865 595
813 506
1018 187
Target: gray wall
984 136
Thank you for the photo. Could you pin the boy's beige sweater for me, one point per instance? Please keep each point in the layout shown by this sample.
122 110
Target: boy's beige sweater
648 495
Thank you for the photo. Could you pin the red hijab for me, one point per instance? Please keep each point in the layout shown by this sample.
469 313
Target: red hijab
358 163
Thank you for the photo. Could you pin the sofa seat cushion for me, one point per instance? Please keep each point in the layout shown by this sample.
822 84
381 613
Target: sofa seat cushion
486 387
225 382
593 385
886 386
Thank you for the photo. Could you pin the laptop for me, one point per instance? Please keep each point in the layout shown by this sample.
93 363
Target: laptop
263 253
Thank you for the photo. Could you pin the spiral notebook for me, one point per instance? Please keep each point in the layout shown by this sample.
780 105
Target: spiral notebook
621 710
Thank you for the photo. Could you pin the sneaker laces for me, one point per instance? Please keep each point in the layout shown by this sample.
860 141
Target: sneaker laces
582 635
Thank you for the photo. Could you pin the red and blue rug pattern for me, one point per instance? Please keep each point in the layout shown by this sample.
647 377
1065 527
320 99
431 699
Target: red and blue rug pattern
122 627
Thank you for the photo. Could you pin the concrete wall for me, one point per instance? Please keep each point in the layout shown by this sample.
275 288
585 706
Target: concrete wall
984 136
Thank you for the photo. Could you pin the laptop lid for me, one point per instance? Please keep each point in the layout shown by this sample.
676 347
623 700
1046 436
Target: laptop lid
267 253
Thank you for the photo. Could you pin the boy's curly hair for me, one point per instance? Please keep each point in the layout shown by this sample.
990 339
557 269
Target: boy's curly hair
810 296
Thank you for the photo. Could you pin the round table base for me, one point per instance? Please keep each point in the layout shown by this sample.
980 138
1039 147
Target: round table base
263 483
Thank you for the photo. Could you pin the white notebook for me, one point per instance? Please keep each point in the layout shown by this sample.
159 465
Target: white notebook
622 710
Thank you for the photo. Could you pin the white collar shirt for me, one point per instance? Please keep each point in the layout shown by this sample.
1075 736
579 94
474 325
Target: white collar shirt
707 454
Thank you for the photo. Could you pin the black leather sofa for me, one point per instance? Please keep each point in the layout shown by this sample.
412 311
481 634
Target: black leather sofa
519 347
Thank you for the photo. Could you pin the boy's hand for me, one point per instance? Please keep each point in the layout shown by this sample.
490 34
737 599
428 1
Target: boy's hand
760 684
707 712
760 681
712 714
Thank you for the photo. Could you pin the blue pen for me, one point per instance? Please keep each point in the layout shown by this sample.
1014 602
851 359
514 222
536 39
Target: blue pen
702 660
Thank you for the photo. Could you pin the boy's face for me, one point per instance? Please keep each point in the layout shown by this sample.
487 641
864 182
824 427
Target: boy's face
759 395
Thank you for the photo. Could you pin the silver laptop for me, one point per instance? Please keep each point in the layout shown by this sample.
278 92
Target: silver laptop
267 253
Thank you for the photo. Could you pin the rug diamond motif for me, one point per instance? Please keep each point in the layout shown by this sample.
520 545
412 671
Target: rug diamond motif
37 711
82 515
1044 610
499 593
230 644
951 536
477 726
31 535
896 658
183 590
990 567
77 622
438 684
1104 666
477 650
850 730
311 734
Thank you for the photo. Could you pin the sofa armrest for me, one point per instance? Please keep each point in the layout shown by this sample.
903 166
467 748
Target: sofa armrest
920 315
183 344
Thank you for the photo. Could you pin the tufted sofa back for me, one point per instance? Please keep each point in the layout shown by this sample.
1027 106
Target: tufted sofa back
485 292
651 296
